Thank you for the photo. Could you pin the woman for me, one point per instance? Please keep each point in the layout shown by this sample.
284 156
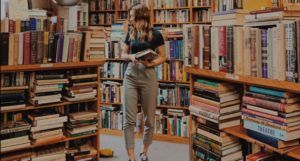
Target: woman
140 77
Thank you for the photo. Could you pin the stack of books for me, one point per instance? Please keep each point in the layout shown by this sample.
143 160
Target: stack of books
46 88
14 134
53 152
272 116
82 153
95 42
81 87
12 100
112 92
112 117
46 126
116 32
81 123
217 106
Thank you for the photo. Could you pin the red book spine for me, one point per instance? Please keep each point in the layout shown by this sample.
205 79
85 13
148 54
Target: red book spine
222 49
264 103
71 50
11 26
27 48
264 115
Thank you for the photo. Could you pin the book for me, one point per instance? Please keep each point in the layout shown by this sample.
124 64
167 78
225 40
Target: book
146 55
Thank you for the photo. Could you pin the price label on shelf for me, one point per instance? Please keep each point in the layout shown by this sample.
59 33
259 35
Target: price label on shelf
46 65
232 76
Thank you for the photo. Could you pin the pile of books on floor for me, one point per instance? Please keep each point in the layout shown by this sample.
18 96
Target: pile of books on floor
272 116
46 126
81 87
50 153
81 123
82 153
14 133
47 88
216 106
112 117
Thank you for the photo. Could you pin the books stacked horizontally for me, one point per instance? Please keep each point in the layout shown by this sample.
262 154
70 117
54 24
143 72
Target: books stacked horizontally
112 117
266 156
46 126
95 42
14 135
272 116
12 100
217 106
82 153
47 88
81 123
81 87
52 152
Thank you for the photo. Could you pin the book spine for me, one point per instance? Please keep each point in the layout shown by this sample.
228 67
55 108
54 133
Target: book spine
264 51
229 49
298 48
263 138
271 118
33 47
51 47
267 130
222 49
267 91
27 53
207 49
264 103
4 48
290 49
21 48
40 47
253 47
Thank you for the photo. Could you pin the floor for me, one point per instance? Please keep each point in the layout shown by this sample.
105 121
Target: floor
159 151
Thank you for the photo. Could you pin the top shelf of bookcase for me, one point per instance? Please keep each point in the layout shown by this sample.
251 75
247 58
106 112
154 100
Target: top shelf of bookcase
50 66
269 83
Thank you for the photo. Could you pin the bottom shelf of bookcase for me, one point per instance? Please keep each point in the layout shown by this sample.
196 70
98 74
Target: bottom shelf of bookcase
158 137
59 140
240 132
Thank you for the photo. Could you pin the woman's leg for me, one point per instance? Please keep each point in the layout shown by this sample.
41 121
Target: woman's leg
130 110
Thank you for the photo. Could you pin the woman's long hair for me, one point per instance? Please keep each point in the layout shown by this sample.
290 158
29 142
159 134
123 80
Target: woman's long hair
142 29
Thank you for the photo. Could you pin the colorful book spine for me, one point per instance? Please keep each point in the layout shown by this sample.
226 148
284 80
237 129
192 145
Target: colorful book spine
265 91
264 48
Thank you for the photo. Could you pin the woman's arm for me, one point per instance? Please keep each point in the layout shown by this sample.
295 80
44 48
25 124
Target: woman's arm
161 59
126 56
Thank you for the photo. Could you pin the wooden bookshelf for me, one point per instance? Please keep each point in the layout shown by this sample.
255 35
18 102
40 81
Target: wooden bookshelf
13 88
248 80
240 132
173 107
158 137
49 66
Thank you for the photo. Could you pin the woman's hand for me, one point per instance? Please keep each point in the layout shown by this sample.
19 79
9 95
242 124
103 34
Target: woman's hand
132 59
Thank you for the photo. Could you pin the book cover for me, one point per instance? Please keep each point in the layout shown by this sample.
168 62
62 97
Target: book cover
146 55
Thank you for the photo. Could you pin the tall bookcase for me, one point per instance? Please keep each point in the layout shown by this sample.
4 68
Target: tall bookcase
53 67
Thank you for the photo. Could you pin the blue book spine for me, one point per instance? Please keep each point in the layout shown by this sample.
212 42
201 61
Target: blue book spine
176 49
266 130
267 91
263 138
32 24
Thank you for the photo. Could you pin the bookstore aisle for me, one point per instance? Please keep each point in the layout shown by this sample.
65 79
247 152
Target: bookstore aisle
158 151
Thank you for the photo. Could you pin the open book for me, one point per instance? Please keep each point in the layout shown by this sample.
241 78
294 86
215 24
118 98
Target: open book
147 54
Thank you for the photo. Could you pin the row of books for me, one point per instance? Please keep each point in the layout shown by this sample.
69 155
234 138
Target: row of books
176 95
41 47
102 18
114 70
171 16
100 5
83 14
199 3
215 106
170 3
169 122
171 71
226 5
272 116
47 24
246 51
14 79
112 92
202 15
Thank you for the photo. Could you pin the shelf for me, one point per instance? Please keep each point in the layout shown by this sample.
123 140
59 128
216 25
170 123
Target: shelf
173 107
171 23
159 137
269 83
50 66
201 7
240 132
115 59
201 22
63 139
111 79
122 10
101 11
116 104
64 103
178 82
13 88
295 153
171 8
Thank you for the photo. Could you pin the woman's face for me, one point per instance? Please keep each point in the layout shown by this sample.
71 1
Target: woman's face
131 17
